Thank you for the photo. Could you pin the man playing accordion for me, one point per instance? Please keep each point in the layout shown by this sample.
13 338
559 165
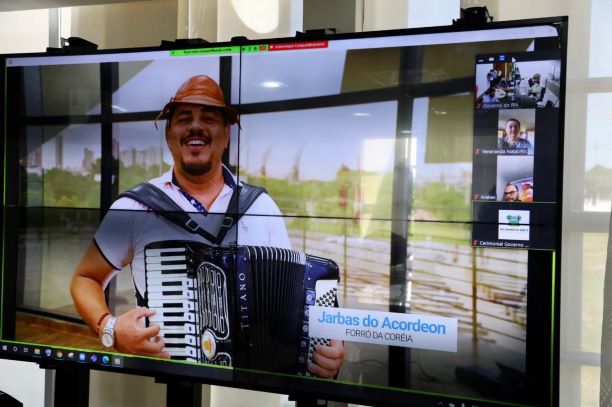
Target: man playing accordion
197 133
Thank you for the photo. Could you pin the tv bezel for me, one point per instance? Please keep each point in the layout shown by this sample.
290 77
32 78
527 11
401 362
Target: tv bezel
267 381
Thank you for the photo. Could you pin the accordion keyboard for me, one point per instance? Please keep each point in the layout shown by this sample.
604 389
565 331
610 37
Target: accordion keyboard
172 294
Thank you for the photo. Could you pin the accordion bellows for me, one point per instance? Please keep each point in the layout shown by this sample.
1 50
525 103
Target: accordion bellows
242 306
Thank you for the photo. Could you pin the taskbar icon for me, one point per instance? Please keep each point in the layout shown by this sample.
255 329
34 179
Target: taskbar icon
42 352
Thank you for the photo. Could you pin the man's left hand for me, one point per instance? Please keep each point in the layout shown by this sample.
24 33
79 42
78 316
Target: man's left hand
327 359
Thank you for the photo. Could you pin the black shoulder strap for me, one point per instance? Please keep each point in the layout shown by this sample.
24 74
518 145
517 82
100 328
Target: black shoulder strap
154 198
247 196
243 197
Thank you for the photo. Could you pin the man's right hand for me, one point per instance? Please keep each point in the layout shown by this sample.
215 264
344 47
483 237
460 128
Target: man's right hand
87 289
132 337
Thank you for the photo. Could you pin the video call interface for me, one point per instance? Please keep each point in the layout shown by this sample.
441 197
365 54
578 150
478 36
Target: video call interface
515 137
410 214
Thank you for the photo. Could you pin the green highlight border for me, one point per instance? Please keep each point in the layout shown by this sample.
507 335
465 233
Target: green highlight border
265 372
317 379
5 143
2 282
527 203
3 203
104 352
513 248
552 326
386 388
232 49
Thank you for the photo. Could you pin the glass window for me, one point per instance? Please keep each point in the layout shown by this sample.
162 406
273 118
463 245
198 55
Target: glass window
598 175
595 248
143 153
284 76
61 178
335 161
63 166
589 386
149 85
52 242
442 175
600 62
486 289
61 90
65 237
366 253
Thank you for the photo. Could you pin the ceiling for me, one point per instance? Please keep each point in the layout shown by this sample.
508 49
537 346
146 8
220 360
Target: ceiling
12 5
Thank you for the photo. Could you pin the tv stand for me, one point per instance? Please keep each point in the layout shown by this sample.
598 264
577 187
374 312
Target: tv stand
181 392
66 385
307 401
69 386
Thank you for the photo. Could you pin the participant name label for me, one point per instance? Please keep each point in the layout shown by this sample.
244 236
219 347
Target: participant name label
384 328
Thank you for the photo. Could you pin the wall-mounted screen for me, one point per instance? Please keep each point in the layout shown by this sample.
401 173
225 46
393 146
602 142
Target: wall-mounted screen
371 217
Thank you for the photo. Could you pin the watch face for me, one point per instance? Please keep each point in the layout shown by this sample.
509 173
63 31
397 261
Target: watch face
107 339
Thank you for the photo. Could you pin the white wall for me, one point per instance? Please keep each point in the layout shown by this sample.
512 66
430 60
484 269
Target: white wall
137 24
520 9
24 31
23 380
427 13
197 19
391 14
385 14
260 19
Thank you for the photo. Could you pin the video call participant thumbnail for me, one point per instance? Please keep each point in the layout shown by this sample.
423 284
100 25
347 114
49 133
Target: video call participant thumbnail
197 131
518 192
511 193
511 138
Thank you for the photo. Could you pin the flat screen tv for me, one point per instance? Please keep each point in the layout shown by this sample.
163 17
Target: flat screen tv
372 218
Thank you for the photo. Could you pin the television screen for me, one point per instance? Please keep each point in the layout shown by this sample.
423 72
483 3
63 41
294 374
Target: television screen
370 217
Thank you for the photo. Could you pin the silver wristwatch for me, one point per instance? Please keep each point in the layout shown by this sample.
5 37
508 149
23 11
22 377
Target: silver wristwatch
108 334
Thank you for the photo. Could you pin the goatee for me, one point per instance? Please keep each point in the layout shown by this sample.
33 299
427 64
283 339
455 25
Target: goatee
197 169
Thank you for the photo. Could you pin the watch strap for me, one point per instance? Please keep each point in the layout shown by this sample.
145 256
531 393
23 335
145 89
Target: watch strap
108 334
110 325
100 321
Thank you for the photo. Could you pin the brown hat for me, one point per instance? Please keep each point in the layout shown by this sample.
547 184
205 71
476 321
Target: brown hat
201 90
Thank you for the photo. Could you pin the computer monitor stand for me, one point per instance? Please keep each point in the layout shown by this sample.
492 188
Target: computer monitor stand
66 385
181 392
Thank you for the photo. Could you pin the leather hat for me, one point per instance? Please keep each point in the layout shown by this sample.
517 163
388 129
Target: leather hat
201 90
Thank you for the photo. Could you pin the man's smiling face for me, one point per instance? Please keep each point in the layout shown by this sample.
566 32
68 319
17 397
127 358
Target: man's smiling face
196 135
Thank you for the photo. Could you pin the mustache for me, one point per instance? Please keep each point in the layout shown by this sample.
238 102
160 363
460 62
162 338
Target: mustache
198 135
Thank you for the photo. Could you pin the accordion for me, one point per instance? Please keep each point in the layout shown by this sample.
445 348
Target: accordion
241 306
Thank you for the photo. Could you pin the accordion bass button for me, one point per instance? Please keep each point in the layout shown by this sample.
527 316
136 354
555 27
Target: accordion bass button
304 328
